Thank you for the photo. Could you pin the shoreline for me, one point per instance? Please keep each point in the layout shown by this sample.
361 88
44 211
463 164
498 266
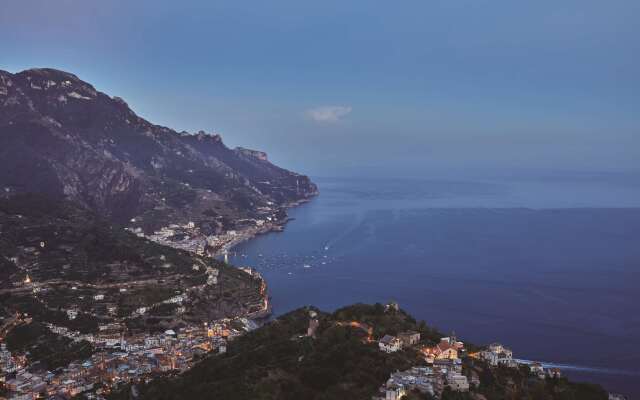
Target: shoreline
265 314
249 234
606 378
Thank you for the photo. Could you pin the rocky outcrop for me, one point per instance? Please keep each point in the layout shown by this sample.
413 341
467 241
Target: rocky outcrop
258 155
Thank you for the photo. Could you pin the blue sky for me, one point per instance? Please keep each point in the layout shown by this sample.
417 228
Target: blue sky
356 87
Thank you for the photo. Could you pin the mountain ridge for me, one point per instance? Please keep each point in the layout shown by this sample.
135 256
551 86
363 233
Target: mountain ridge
62 137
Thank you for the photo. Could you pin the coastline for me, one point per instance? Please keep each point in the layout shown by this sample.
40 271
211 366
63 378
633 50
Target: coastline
286 290
278 226
248 234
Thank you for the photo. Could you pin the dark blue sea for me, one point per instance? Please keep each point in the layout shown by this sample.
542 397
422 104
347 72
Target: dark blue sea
548 267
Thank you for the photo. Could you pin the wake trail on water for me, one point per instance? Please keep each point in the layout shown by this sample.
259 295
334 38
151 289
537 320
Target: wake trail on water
571 367
342 235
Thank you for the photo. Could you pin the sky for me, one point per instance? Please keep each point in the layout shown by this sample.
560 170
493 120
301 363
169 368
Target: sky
331 88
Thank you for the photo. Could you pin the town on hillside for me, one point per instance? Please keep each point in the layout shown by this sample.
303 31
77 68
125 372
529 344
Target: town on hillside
447 363
117 360
93 362
438 366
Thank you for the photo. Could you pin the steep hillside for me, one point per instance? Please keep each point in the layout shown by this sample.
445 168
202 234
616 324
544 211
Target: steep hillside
61 137
279 361
340 360
105 218
76 261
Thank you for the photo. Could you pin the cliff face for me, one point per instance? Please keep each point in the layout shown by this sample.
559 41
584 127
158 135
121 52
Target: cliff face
61 137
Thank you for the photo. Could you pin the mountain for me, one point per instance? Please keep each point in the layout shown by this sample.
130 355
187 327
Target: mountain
61 137
105 217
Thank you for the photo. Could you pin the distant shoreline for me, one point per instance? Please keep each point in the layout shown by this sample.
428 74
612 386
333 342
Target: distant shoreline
278 226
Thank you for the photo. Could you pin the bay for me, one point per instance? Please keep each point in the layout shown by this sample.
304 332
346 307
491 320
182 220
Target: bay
549 268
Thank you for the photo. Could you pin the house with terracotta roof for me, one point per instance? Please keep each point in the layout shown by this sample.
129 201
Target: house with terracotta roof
447 349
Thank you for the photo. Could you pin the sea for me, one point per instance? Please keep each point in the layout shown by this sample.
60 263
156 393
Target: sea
548 266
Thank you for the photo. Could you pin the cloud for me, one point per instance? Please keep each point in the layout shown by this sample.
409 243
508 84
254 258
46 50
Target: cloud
328 114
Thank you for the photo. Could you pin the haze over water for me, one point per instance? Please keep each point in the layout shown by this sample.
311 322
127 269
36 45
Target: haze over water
549 268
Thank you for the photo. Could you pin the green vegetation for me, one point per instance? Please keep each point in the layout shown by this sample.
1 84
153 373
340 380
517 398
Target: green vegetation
177 195
71 256
79 246
383 323
32 204
7 271
164 310
34 309
278 361
147 296
43 346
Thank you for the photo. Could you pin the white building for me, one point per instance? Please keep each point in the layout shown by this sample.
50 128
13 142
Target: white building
390 344
497 354
457 382
395 392
421 379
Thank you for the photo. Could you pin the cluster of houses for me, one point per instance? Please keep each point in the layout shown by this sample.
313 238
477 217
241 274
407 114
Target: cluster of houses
246 228
431 379
400 383
443 369
190 238
498 355
117 360
185 237
444 366
121 358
